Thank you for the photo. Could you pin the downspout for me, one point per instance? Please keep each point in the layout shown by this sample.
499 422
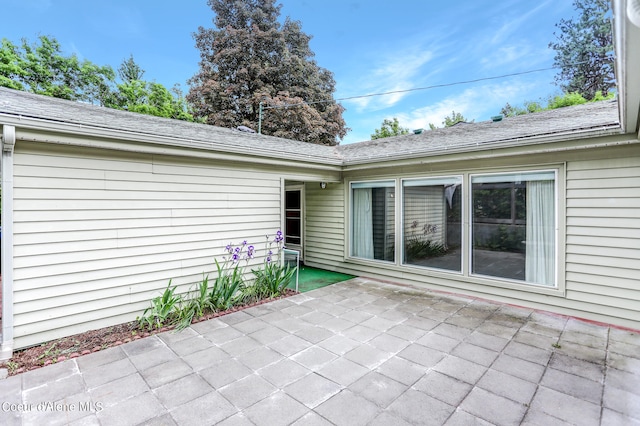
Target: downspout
8 144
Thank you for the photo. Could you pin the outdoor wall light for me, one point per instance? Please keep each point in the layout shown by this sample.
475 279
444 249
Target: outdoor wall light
323 185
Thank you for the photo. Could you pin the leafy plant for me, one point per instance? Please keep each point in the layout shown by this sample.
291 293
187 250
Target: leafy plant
224 293
418 248
163 309
12 366
273 279
195 304
50 352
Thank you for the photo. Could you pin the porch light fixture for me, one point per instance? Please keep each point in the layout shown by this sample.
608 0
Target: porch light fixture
323 185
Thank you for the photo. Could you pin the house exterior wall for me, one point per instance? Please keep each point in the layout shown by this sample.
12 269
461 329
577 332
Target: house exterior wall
325 225
99 233
598 234
603 235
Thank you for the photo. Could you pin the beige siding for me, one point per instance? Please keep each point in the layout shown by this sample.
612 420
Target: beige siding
99 233
601 250
324 222
603 235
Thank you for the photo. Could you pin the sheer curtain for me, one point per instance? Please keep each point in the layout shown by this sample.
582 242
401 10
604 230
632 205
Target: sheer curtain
540 246
362 223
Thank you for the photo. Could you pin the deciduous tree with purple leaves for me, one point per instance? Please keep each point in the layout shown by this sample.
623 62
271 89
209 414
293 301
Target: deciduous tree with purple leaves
249 58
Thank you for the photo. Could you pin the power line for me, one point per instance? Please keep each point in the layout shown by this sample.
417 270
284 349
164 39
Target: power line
434 86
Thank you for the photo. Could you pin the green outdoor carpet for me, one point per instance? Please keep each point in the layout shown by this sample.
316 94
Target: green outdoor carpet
312 278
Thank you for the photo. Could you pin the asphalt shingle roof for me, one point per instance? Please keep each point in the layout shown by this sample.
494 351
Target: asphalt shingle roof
523 129
569 122
182 133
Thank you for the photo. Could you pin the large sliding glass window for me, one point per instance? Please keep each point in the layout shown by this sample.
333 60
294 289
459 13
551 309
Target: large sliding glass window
373 220
432 222
514 226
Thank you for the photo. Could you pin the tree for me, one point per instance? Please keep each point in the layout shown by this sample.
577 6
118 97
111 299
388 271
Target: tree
584 50
455 118
249 59
150 98
529 107
11 66
389 128
42 68
553 102
129 70
451 120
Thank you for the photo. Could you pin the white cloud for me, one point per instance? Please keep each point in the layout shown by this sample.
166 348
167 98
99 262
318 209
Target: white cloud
477 103
395 74
514 24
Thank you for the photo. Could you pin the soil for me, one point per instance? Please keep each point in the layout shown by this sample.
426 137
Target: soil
95 340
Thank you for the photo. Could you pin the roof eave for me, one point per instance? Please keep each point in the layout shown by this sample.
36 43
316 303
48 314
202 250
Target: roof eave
173 141
472 149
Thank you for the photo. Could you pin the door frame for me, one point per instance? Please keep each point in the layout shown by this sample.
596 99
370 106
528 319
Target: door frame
301 188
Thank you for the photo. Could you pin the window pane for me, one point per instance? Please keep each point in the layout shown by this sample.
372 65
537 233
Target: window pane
292 200
373 221
432 223
514 227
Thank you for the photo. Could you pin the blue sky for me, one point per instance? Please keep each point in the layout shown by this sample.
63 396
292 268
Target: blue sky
371 46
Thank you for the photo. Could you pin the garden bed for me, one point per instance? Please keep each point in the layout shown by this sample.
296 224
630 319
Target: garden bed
95 340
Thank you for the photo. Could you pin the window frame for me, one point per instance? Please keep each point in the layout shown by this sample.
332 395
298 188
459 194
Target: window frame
557 284
401 225
464 280
370 183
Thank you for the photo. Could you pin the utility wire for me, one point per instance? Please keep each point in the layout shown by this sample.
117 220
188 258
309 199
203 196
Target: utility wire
435 86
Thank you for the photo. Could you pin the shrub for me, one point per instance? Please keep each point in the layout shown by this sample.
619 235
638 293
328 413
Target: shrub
163 310
417 248
228 289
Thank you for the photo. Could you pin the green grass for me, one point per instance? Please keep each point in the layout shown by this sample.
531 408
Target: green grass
312 278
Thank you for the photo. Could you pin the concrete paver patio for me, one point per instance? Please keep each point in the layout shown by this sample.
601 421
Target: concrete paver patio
359 352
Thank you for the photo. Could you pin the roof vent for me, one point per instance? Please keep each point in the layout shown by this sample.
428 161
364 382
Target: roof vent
496 118
418 131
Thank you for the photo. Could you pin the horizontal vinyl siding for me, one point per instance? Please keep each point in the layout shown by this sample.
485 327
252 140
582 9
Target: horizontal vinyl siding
601 250
324 225
98 234
603 236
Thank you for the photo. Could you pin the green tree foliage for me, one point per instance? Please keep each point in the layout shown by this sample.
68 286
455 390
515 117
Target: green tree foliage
129 70
11 68
454 118
529 106
151 98
249 58
42 68
584 50
389 128
554 102
451 120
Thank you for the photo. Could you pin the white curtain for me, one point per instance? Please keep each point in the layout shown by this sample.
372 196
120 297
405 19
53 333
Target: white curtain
540 246
362 223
